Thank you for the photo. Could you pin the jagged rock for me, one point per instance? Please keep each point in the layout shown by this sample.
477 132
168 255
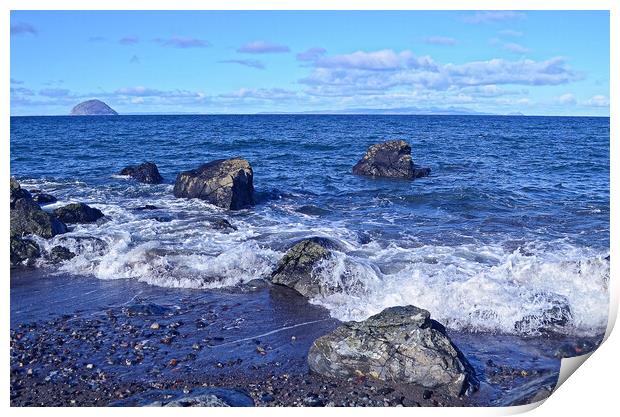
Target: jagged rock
93 108
78 213
391 159
221 224
400 344
298 266
17 192
23 251
146 173
60 254
27 218
43 198
226 183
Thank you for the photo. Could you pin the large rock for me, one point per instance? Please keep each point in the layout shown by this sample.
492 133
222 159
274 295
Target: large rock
297 268
23 251
93 108
43 198
391 159
226 183
78 213
401 345
27 218
146 173
198 397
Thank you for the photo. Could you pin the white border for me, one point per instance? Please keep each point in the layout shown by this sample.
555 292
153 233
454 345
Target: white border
593 392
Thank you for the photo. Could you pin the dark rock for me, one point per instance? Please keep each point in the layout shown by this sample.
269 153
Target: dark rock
297 268
310 210
60 253
221 224
83 243
226 183
28 218
17 192
148 309
78 213
400 344
23 251
390 159
551 319
198 397
146 207
146 173
92 108
43 198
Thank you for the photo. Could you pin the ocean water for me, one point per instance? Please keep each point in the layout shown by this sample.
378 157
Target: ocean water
513 220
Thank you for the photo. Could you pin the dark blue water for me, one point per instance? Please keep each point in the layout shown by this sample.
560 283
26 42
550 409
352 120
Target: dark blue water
514 217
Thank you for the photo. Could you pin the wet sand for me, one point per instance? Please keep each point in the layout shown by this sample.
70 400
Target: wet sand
82 341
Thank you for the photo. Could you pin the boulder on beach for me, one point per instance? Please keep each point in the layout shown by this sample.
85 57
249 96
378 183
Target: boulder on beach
78 213
226 183
297 267
401 345
390 159
27 218
93 108
146 173
43 198
197 397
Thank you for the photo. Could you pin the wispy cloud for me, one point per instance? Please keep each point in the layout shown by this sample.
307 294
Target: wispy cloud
440 40
129 40
261 94
14 81
510 33
134 59
263 47
598 100
493 16
515 48
23 28
54 92
566 99
311 54
183 42
252 63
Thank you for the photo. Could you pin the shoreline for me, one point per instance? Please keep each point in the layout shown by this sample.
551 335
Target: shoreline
102 346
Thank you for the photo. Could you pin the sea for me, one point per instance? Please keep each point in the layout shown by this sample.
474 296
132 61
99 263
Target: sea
513 220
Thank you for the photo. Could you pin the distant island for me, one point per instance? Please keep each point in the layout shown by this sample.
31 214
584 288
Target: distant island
93 108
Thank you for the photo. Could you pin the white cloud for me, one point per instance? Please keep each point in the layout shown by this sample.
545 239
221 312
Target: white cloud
493 16
598 100
516 48
566 99
263 47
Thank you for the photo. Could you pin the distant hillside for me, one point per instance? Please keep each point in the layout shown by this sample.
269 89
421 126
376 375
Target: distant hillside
93 108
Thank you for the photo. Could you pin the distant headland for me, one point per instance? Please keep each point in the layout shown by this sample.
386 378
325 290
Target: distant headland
93 108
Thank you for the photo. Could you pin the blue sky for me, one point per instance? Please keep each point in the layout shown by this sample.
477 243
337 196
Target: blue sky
532 62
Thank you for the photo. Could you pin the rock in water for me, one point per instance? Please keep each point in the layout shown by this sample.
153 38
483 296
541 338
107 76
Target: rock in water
27 218
43 198
226 183
400 344
23 251
93 108
78 213
60 254
391 159
146 173
296 268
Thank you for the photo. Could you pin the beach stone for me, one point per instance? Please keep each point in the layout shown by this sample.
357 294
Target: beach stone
23 251
390 159
78 213
27 218
401 345
297 267
146 173
60 254
226 183
44 198
198 397
92 108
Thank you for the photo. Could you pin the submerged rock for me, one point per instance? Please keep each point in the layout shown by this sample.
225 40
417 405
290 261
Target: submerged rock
226 183
78 213
146 173
92 108
391 159
44 198
551 319
23 251
198 397
400 344
297 268
60 253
